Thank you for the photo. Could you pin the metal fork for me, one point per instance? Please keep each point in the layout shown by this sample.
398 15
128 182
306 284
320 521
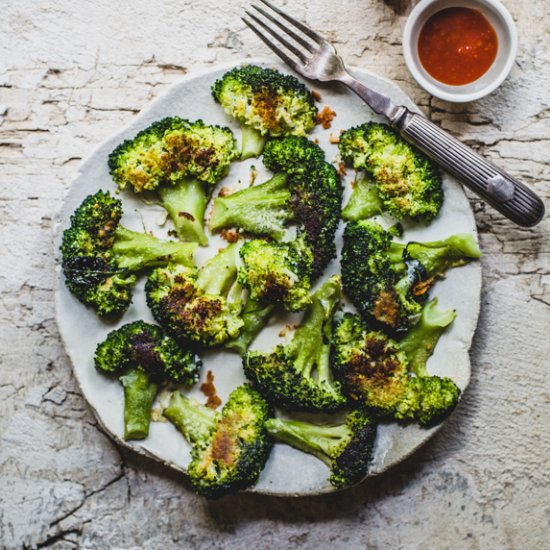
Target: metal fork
310 55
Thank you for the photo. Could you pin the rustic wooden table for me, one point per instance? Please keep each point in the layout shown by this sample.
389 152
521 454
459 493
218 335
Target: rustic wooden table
71 73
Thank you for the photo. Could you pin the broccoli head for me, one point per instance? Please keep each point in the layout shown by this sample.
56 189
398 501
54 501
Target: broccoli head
229 449
345 448
306 190
266 103
293 155
388 281
100 257
277 272
181 161
297 375
142 357
374 372
201 306
407 183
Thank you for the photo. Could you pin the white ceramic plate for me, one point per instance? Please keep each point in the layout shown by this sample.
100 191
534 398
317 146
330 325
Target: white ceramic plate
288 471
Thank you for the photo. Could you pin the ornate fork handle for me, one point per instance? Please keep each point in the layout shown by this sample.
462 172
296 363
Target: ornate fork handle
503 192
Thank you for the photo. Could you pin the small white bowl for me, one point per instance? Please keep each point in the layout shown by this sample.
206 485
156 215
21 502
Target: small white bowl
504 26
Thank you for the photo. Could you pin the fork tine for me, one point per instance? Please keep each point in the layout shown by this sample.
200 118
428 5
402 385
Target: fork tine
305 29
307 45
276 49
300 55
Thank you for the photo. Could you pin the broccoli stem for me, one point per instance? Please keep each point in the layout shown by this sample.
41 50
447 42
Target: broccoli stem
252 143
311 342
139 394
255 317
420 341
218 274
320 441
261 209
185 203
134 251
364 201
438 256
193 420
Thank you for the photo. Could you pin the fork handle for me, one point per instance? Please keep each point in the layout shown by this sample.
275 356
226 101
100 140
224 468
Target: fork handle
503 192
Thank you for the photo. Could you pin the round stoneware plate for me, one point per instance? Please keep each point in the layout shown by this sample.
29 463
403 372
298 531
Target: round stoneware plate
288 471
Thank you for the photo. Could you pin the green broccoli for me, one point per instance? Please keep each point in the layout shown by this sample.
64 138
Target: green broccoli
306 190
201 306
263 209
374 372
181 161
277 272
143 357
364 201
255 317
420 340
266 103
229 449
297 375
345 448
405 182
100 257
388 281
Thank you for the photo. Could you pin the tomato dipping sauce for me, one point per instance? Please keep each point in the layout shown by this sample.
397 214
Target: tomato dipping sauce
457 45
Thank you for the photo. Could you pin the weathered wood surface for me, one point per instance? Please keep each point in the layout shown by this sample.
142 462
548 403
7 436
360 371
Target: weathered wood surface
71 73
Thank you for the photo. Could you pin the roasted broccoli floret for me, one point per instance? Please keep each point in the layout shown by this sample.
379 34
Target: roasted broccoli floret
266 103
181 161
404 181
229 449
142 357
388 281
201 306
277 272
345 448
374 372
100 257
297 375
306 190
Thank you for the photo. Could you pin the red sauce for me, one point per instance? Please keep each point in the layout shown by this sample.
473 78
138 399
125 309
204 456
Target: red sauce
457 45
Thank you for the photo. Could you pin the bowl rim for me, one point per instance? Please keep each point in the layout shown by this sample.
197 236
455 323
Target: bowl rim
459 96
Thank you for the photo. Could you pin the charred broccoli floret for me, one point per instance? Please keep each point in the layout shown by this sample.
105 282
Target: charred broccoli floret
142 357
388 281
181 161
297 375
404 182
277 272
306 190
201 306
100 257
228 449
374 372
266 103
345 448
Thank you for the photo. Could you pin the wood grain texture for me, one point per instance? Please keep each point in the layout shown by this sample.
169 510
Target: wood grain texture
73 73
